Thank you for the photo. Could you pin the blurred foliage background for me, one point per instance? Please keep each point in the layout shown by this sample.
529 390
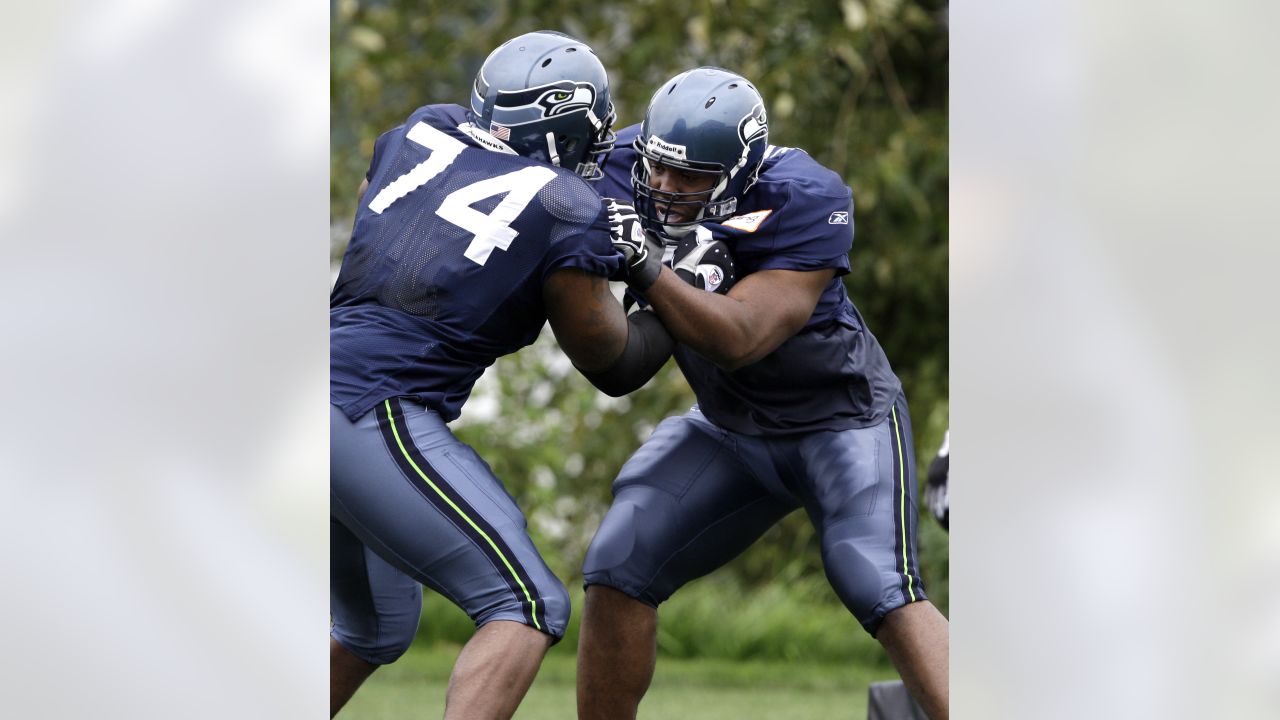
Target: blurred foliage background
861 85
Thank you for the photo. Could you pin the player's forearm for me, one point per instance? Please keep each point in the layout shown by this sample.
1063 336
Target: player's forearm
717 327
649 346
587 320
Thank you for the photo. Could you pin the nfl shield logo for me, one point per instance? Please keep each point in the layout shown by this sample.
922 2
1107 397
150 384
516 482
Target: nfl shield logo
711 276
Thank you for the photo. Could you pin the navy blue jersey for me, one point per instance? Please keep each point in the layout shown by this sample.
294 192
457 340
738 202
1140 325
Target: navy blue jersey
444 272
832 375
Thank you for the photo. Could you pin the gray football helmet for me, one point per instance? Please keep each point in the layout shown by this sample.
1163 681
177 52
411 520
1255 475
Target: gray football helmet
546 95
707 120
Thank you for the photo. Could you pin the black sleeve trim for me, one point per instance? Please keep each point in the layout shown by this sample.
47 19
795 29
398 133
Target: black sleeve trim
649 346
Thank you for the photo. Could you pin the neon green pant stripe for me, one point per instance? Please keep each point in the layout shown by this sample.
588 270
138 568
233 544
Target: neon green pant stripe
902 502
395 431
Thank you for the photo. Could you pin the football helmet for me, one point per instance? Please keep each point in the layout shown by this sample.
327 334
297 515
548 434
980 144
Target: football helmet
704 121
546 95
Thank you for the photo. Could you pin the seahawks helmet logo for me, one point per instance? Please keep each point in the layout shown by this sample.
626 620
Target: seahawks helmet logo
532 105
561 101
754 126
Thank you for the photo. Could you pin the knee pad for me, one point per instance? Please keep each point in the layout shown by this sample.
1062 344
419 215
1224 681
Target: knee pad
383 639
616 558
869 589
855 578
556 599
550 614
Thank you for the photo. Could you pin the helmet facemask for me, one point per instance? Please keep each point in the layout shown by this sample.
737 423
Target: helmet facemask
661 210
603 140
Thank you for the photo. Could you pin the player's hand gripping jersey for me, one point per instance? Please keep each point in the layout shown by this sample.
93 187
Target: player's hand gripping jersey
832 375
444 273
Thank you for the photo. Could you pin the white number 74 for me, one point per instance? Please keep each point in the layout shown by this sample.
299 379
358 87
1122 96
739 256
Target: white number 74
492 230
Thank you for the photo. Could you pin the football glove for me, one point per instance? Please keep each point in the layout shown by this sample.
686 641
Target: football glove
704 264
642 255
936 494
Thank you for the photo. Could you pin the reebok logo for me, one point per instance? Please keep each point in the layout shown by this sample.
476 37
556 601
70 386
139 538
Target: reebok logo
838 218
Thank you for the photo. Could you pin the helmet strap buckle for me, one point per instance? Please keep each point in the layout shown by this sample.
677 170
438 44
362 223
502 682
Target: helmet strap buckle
722 207
553 157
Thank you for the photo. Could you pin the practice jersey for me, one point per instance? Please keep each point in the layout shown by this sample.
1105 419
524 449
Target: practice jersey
451 244
832 375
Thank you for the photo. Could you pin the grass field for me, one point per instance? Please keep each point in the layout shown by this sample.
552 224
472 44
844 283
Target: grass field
697 689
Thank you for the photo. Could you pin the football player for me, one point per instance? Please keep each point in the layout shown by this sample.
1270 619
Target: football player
475 227
797 406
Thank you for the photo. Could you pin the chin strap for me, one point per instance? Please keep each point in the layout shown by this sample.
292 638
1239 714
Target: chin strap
551 149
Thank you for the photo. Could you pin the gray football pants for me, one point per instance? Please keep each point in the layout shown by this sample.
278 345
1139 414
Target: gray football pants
411 504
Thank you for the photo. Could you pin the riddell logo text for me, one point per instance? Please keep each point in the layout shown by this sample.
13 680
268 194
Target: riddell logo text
658 146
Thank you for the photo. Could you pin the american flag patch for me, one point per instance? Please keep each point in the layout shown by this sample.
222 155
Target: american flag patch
500 132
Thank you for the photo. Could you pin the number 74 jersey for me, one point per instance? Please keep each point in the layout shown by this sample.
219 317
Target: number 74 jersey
444 271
